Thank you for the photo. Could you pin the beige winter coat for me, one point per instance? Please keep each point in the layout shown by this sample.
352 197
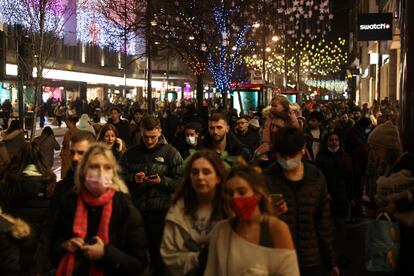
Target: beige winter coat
179 259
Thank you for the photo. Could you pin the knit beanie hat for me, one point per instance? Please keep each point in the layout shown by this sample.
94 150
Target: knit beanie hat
385 135
83 121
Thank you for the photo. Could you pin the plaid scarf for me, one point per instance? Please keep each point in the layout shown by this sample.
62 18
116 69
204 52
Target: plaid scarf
80 228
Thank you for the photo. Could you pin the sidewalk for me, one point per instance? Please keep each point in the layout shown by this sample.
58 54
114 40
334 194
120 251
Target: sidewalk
58 131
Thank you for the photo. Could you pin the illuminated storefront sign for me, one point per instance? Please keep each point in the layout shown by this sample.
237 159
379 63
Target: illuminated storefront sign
375 26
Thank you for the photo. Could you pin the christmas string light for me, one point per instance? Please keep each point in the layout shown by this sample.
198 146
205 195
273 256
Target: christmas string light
317 59
95 28
27 14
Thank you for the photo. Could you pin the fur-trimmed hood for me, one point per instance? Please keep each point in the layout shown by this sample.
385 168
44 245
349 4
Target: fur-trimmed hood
15 227
267 111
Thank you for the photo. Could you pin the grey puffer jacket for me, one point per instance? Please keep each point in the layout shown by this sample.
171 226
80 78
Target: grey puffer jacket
163 160
308 214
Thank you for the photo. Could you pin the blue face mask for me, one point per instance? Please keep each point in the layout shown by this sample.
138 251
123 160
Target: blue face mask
288 165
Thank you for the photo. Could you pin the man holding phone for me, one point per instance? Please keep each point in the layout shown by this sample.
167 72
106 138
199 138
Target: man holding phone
151 171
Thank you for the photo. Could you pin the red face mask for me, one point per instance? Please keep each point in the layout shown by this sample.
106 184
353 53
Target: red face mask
244 206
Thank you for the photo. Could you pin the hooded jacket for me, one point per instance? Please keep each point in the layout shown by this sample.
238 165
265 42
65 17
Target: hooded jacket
12 230
179 257
47 145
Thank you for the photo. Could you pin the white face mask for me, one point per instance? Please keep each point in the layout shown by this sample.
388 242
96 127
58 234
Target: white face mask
97 183
335 149
290 164
191 140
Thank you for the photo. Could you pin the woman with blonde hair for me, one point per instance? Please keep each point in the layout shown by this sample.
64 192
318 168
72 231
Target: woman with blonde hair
252 241
98 231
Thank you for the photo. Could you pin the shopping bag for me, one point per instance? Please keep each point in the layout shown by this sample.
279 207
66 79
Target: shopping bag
381 244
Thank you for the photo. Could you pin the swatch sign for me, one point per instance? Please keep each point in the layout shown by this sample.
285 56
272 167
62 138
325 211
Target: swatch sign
375 26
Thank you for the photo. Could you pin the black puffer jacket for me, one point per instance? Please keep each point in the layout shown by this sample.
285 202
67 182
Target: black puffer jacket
126 253
163 160
29 201
308 214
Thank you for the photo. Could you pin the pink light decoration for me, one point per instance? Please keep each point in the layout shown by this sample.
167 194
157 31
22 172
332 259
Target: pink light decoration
55 7
94 31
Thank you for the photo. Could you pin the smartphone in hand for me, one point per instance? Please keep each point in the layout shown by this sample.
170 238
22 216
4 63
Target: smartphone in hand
90 241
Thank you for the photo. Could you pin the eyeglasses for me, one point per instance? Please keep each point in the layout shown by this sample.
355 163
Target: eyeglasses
241 123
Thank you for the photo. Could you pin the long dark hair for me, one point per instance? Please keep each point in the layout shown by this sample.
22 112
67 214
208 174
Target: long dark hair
31 154
324 143
342 155
185 189
104 129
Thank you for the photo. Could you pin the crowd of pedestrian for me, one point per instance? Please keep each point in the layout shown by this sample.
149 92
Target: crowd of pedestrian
200 192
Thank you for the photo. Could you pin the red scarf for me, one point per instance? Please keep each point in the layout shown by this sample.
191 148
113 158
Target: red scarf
80 228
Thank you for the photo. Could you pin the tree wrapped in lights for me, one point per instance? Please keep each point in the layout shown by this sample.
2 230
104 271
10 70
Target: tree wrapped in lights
183 26
120 24
115 24
41 26
31 14
222 58
206 34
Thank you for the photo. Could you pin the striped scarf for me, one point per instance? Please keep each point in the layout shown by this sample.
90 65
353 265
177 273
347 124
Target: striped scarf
80 228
